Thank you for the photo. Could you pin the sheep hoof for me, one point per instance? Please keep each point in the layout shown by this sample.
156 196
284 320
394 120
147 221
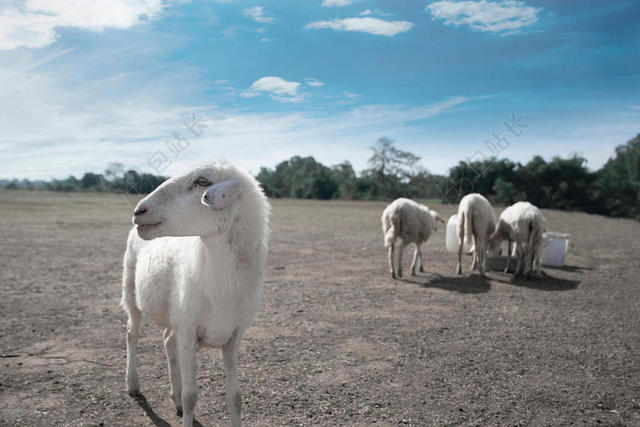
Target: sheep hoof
421 269
179 412
133 385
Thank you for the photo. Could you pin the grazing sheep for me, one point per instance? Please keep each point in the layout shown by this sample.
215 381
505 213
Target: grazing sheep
412 223
194 264
523 224
477 220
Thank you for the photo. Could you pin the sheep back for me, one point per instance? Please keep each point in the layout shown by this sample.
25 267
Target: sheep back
407 220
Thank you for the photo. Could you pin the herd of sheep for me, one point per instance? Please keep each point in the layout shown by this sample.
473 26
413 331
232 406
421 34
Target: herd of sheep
521 224
196 256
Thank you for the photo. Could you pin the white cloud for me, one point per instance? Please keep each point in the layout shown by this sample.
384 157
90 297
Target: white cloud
506 16
368 12
34 23
55 126
336 3
369 25
313 82
279 89
257 14
54 129
350 98
275 85
133 133
49 59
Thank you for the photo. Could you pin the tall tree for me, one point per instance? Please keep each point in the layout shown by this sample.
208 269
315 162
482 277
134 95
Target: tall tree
346 178
619 180
387 160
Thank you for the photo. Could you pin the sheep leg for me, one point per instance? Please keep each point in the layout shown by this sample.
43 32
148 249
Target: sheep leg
420 259
506 269
485 253
524 257
400 252
133 332
520 256
474 262
187 362
529 261
459 267
171 348
234 398
415 260
537 262
391 256
460 243
481 255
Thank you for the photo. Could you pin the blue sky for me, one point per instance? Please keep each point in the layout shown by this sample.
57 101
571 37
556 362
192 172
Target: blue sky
160 86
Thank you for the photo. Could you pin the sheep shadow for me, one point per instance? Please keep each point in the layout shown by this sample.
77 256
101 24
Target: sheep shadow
471 284
156 419
542 282
569 268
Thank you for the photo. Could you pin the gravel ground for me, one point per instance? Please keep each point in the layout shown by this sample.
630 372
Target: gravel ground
337 342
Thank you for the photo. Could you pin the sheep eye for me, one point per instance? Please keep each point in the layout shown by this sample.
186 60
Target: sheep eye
203 182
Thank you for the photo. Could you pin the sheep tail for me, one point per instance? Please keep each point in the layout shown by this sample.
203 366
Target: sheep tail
391 229
534 232
468 227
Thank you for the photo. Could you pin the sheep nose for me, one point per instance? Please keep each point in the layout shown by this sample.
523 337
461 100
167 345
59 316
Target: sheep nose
139 211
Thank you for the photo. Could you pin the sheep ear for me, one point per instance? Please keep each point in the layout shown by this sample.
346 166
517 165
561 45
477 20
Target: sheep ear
221 195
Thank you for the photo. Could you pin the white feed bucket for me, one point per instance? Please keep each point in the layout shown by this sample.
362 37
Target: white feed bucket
554 249
451 236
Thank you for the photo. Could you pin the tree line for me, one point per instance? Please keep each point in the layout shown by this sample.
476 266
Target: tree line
560 183
114 179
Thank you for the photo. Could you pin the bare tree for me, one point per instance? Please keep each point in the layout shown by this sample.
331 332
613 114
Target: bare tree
388 160
114 171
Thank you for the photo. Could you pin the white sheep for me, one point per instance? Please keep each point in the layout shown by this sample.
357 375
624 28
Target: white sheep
412 223
523 224
477 220
194 264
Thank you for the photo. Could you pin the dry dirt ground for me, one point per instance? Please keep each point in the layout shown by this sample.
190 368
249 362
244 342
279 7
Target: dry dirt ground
337 342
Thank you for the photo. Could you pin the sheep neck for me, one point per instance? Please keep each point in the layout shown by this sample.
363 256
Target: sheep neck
215 246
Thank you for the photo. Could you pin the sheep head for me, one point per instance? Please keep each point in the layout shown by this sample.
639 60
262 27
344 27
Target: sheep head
436 218
494 244
203 202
